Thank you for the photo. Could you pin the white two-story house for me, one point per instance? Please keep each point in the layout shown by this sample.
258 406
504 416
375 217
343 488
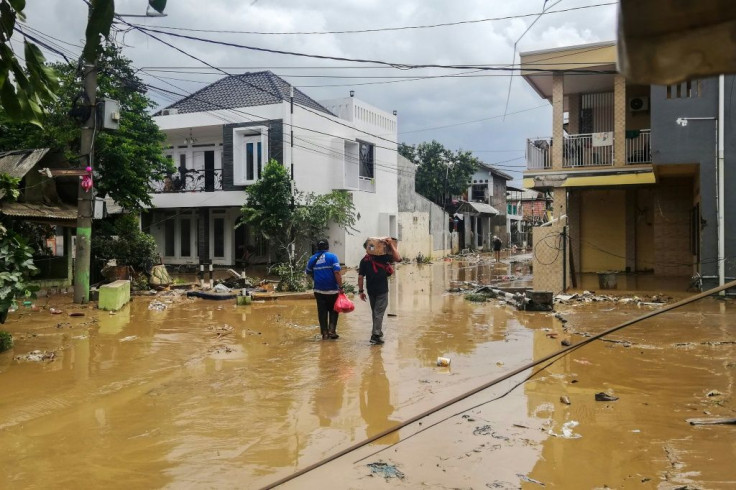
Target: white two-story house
221 137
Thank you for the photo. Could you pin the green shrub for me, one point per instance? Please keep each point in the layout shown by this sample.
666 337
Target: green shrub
128 246
6 341
291 277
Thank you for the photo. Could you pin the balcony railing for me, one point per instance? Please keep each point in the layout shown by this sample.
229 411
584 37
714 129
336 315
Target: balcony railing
638 147
189 181
538 155
588 150
367 184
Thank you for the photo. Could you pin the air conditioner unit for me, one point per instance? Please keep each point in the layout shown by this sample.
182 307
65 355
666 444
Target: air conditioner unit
169 112
637 104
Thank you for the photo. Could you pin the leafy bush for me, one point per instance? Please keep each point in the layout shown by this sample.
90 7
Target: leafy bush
477 297
6 341
291 277
128 246
16 266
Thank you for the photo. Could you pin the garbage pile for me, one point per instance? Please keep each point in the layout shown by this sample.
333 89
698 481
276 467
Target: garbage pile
591 297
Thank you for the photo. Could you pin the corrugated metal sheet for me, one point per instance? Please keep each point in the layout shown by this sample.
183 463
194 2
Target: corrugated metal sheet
39 211
18 163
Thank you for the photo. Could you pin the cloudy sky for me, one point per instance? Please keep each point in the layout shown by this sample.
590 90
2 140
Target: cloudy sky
461 113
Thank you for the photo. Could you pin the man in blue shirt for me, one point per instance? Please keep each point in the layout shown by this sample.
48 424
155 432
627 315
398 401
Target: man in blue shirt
324 268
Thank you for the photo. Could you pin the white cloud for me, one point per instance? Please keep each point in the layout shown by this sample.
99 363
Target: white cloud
420 104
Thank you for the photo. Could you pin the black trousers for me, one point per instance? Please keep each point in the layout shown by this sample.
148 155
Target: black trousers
326 313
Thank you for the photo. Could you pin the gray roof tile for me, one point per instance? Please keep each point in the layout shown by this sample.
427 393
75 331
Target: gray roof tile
246 90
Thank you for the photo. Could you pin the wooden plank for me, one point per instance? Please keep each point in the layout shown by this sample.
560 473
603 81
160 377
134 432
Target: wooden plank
712 421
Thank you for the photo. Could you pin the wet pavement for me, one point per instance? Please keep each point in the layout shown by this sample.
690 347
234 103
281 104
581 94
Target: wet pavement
205 394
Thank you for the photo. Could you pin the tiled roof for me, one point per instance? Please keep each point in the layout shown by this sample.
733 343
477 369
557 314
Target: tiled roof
246 90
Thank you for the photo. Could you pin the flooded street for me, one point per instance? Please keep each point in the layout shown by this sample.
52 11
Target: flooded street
205 394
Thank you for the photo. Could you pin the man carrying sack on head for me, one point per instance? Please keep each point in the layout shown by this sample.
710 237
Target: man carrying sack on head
324 268
374 270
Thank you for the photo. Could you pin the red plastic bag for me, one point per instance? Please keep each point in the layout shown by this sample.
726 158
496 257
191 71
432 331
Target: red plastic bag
343 304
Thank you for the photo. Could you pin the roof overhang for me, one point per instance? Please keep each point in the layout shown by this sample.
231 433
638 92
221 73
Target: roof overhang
18 163
669 41
63 214
477 208
585 68
611 180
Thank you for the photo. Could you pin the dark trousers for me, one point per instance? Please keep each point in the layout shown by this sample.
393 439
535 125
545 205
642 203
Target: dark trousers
379 302
326 312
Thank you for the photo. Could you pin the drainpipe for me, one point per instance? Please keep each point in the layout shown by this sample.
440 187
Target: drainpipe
721 123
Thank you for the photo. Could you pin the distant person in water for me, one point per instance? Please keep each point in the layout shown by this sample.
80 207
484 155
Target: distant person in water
497 243
324 268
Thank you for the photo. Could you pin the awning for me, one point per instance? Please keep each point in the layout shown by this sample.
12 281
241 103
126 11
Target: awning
40 212
477 208
611 179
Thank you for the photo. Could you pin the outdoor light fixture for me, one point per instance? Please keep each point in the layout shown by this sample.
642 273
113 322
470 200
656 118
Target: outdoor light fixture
352 93
191 139
395 112
682 121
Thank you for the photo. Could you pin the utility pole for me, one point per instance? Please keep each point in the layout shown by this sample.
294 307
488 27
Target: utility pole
84 199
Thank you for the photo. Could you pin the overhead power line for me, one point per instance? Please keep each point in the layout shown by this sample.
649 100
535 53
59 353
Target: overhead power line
383 29
407 66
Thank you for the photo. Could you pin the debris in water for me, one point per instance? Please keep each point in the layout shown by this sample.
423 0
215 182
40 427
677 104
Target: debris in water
157 306
565 400
714 393
566 343
128 338
37 356
385 470
605 397
530 480
76 313
55 311
712 421
567 430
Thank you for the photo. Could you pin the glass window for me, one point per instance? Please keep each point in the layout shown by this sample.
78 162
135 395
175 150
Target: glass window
169 236
367 165
219 237
185 235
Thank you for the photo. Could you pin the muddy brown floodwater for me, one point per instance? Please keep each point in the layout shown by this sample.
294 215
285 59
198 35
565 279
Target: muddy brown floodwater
205 394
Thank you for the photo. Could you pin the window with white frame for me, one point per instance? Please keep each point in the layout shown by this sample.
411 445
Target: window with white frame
250 150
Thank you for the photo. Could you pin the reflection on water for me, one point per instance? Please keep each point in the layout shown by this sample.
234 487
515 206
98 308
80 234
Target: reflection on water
375 399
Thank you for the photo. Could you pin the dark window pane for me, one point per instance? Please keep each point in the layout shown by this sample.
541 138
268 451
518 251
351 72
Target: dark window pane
366 160
169 236
185 233
219 236
249 161
260 164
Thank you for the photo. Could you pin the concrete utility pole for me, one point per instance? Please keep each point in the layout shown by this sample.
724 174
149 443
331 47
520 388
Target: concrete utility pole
84 200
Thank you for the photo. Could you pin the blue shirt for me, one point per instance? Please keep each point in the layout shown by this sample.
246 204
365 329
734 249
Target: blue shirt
322 266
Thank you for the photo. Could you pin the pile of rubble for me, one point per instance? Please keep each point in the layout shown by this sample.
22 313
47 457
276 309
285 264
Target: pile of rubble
591 297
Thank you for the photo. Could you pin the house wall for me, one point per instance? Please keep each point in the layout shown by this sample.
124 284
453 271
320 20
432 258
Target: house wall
602 225
423 225
696 144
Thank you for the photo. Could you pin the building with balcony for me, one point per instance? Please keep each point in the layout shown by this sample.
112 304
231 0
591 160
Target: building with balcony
484 212
634 192
221 137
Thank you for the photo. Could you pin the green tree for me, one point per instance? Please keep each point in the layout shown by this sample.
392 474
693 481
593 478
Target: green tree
291 220
16 260
441 173
126 160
